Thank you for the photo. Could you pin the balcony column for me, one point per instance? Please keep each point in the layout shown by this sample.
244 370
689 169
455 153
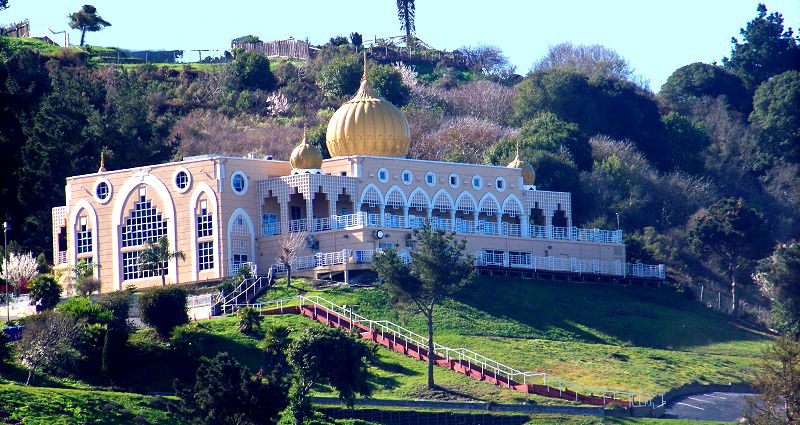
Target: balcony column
382 221
525 228
453 220
476 214
548 222
405 217
429 213
499 223
309 214
283 223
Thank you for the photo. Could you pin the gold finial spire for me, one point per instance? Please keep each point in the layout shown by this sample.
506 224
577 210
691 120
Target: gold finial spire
102 162
517 155
366 66
305 128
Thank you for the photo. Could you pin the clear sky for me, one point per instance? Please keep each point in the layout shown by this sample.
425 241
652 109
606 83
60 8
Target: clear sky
655 36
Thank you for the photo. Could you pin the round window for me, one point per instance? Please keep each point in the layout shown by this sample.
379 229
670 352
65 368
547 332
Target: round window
430 178
239 183
500 184
181 180
454 181
477 182
383 175
407 177
102 191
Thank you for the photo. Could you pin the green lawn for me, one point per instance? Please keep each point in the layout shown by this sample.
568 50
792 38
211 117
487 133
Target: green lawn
616 337
52 406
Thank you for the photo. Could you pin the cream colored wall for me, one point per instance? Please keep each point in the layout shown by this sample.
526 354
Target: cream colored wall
80 190
248 202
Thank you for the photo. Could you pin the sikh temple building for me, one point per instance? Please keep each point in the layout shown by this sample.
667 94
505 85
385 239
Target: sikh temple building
223 212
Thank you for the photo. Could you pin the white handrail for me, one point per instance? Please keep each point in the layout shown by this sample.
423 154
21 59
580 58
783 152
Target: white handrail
408 336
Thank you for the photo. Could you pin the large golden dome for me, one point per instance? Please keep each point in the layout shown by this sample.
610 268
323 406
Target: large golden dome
305 156
528 175
368 125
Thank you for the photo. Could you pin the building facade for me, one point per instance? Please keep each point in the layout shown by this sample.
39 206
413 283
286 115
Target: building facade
222 212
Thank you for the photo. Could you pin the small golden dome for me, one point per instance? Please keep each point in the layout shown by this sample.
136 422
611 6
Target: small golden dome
305 156
368 125
528 175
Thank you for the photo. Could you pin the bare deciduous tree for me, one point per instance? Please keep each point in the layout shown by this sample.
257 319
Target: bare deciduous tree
482 99
487 59
461 139
47 337
290 245
593 60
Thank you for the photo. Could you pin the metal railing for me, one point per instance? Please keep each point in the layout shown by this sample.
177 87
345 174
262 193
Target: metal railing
461 225
573 265
391 331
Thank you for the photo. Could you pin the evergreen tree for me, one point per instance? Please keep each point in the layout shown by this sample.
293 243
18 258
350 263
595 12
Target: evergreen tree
87 19
766 49
733 234
224 393
438 269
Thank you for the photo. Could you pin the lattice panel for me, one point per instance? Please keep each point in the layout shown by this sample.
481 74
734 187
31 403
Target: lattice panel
442 202
489 206
59 215
239 227
466 204
418 201
205 255
239 246
371 197
395 199
548 201
306 184
512 207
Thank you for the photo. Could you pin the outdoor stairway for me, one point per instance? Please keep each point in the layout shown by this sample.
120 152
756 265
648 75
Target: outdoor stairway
461 360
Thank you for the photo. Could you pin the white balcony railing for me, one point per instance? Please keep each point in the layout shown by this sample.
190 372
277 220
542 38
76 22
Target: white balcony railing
461 225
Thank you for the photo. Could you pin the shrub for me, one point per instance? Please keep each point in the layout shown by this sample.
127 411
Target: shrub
249 319
388 83
46 291
224 393
87 286
251 71
340 77
164 308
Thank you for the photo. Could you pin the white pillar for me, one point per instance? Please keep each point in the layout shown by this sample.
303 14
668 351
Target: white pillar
284 218
453 220
524 222
499 224
405 217
309 213
383 211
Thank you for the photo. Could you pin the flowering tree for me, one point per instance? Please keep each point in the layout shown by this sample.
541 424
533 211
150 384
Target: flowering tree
20 269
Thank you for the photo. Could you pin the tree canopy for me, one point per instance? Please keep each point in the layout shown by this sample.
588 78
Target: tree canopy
695 81
733 234
779 280
775 111
87 19
766 49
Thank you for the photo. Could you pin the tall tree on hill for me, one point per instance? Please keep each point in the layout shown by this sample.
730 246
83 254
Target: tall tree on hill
779 279
87 19
405 12
766 49
438 268
733 234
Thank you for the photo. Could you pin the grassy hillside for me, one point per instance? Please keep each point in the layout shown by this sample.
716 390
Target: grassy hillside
618 337
51 406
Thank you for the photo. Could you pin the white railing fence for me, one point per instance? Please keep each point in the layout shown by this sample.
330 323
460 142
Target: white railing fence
394 332
461 225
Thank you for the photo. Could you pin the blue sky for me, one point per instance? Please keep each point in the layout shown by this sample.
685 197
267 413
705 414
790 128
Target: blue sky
656 37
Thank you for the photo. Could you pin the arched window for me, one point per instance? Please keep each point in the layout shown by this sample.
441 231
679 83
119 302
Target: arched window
144 224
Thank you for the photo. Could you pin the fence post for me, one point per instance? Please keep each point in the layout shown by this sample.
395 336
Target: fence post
719 300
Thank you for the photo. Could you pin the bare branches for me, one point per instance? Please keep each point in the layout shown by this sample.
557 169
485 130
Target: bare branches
290 244
47 337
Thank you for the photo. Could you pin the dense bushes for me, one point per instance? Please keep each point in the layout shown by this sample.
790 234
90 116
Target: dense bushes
164 308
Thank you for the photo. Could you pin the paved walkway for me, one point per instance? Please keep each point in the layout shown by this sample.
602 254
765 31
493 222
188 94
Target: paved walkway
723 407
